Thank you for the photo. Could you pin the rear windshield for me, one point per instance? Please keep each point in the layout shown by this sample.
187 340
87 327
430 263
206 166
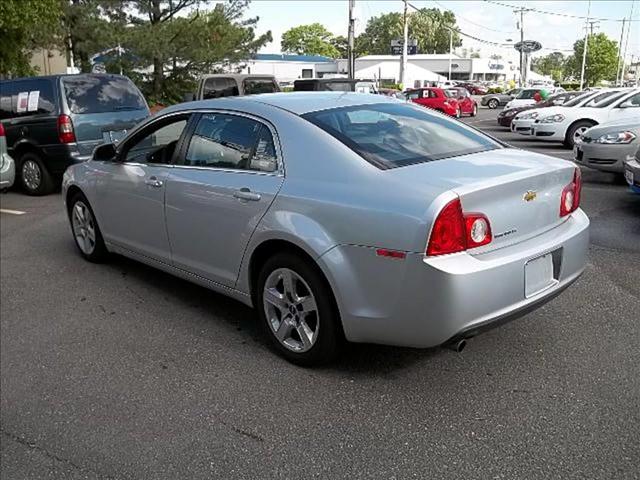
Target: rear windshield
527 94
99 94
259 85
451 93
396 134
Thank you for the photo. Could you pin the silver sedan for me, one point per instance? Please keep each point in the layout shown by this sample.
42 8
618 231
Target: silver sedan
338 216
606 147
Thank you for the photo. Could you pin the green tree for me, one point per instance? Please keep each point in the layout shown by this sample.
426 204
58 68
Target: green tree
602 59
341 44
24 26
429 26
313 39
178 42
553 64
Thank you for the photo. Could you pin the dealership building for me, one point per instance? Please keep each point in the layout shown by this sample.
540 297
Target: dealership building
421 68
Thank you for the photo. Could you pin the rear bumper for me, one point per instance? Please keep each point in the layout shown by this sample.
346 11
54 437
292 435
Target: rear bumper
7 171
607 158
59 157
425 302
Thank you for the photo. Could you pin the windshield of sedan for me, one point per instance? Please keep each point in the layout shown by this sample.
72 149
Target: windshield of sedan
391 135
575 101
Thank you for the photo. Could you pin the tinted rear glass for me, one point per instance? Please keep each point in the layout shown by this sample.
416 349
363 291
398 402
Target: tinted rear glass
397 134
259 85
99 94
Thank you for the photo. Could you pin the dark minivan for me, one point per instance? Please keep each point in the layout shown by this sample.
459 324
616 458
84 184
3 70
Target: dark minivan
54 121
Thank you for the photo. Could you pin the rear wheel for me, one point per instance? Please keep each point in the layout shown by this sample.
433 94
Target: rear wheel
86 232
575 132
493 103
297 310
35 179
474 112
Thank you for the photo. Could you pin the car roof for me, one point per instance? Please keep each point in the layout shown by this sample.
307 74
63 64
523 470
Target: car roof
294 102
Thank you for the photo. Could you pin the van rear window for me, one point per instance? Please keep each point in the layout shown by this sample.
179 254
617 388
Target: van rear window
103 93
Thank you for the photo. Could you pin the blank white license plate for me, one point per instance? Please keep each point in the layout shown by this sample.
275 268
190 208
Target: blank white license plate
538 275
628 175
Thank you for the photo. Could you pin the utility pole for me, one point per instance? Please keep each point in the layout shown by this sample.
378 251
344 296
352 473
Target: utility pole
626 44
450 50
618 82
584 48
523 74
591 25
405 41
351 41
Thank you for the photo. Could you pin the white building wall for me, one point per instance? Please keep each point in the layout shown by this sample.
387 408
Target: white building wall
287 71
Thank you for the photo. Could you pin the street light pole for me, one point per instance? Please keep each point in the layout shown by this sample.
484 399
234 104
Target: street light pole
620 52
351 42
584 47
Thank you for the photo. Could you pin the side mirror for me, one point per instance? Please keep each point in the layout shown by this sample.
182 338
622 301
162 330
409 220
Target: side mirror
105 153
189 97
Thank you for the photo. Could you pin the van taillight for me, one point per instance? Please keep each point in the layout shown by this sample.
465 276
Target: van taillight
65 129
456 231
570 198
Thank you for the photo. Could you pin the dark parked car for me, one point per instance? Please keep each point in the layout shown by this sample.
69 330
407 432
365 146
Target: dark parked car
233 85
505 116
495 100
55 121
324 85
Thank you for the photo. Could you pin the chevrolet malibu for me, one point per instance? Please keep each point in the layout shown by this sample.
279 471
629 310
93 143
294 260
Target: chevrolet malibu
338 216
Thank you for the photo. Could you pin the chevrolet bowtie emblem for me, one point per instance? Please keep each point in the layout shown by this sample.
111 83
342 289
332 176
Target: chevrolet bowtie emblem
530 196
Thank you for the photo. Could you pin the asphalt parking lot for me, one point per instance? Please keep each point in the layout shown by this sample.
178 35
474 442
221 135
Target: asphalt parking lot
118 371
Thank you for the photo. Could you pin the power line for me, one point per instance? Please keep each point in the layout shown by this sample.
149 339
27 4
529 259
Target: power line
471 22
545 12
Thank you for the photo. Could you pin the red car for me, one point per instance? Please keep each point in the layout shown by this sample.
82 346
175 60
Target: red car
468 106
436 98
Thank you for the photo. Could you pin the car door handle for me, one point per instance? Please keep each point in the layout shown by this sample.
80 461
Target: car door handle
246 194
153 182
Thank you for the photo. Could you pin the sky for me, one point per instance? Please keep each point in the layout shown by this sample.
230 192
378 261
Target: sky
479 18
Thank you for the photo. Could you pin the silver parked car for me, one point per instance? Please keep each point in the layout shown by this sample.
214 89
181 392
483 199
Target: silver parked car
606 147
7 165
337 216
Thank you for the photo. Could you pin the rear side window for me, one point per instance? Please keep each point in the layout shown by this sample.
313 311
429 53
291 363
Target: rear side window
231 141
600 97
259 85
609 100
27 97
338 87
100 94
527 94
216 87
393 135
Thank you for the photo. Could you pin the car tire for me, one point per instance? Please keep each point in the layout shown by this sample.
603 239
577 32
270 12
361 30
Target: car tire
85 230
458 113
474 111
574 130
493 104
297 310
35 179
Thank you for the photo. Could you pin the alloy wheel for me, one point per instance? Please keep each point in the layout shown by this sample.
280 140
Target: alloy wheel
578 133
291 310
84 227
31 174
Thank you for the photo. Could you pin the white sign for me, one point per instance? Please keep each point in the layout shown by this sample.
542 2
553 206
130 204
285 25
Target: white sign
23 101
34 96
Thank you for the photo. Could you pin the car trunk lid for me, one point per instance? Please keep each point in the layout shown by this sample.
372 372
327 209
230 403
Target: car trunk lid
518 191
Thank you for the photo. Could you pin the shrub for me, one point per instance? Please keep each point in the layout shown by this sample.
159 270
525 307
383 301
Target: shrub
495 90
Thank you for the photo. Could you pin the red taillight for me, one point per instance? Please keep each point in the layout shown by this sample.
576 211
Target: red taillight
1 130
570 198
454 231
65 129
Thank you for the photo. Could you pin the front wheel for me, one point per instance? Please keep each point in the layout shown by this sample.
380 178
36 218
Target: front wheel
575 132
86 232
297 310
493 104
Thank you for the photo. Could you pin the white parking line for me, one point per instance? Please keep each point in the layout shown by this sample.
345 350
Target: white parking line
11 212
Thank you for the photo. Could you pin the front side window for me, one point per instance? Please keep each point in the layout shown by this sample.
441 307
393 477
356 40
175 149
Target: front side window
231 141
259 85
157 146
101 93
398 134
